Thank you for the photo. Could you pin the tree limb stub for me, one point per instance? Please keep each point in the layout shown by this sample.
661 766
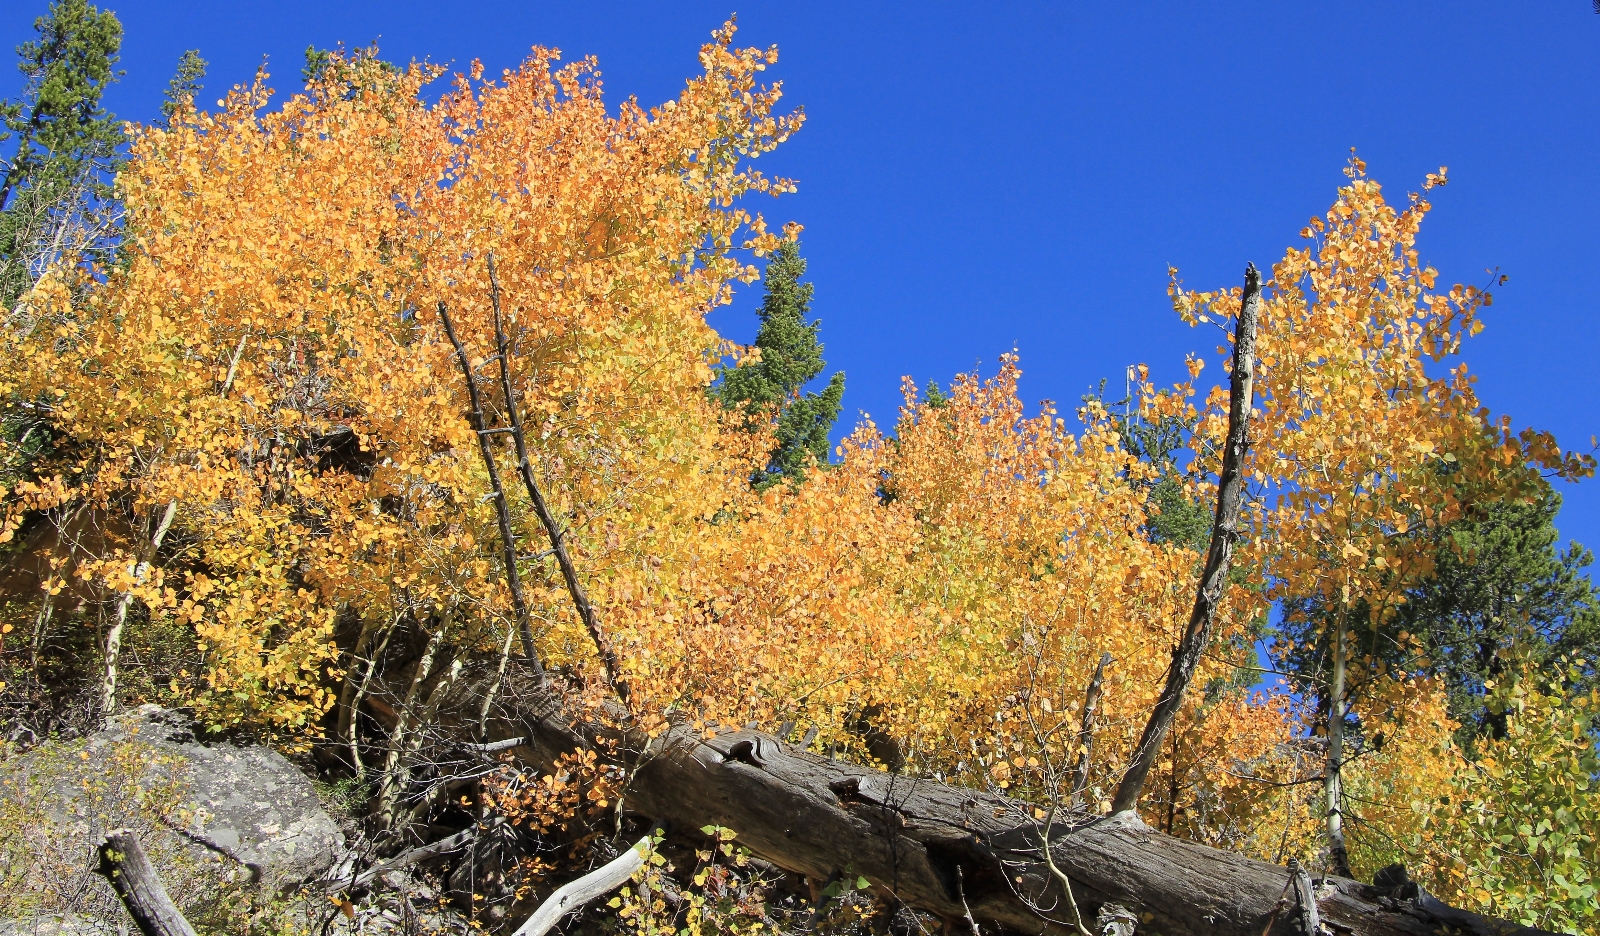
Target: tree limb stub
124 863
1224 533
931 844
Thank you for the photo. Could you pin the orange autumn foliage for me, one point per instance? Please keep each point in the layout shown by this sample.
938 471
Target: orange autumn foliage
270 360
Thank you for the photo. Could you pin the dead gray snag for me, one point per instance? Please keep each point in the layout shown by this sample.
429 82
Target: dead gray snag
508 541
1091 699
558 536
1224 533
124 863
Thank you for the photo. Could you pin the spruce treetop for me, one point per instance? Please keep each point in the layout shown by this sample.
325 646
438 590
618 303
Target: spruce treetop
59 122
791 356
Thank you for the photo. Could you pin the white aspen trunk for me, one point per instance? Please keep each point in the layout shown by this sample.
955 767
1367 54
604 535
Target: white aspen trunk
108 681
46 609
354 738
353 675
388 787
1338 856
494 687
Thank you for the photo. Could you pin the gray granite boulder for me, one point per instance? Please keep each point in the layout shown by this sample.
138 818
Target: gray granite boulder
244 801
229 827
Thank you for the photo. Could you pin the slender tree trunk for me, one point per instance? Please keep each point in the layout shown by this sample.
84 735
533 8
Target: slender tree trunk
354 739
1338 856
413 744
46 610
389 785
66 532
508 540
353 676
1214 576
108 681
494 687
558 545
1091 699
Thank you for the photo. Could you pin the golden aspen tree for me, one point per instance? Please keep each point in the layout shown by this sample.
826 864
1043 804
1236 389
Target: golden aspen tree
1364 431
262 409
269 361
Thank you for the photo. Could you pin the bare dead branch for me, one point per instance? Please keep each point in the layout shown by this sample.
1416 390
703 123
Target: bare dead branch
575 894
406 859
494 746
1224 534
508 542
558 545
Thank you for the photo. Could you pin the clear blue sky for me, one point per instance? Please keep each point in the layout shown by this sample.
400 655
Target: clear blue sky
979 176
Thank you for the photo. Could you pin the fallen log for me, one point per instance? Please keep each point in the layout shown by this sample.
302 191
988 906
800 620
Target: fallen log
974 856
930 844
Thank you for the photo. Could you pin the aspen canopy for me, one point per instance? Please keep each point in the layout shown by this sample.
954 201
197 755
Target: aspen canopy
390 430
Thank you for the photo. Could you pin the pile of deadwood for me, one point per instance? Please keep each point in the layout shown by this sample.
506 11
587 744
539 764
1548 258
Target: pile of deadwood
971 857
980 861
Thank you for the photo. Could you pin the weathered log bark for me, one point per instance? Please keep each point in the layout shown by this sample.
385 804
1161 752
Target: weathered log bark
930 844
124 863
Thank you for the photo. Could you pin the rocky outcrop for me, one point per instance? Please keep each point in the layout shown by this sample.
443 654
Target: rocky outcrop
243 801
242 805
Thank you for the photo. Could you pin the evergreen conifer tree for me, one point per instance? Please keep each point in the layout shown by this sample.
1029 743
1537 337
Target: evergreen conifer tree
769 391
1501 588
185 83
61 163
59 123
